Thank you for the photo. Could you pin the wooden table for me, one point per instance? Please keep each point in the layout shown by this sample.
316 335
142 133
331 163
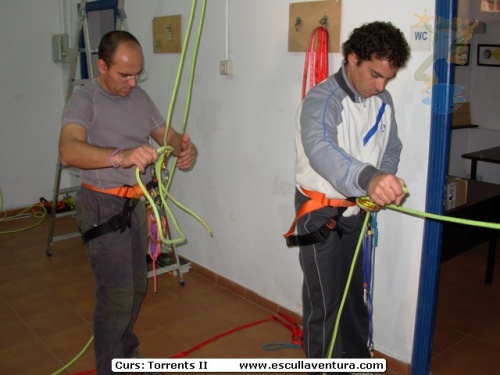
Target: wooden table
483 204
489 155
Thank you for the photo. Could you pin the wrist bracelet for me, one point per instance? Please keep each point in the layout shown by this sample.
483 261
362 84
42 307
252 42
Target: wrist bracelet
111 157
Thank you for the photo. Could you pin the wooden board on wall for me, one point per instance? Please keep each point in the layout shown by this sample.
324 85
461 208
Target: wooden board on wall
167 34
305 17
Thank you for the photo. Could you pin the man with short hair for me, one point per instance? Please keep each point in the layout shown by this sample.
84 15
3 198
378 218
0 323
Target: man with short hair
106 130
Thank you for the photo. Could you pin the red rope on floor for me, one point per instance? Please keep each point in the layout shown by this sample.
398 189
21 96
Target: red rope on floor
286 321
85 372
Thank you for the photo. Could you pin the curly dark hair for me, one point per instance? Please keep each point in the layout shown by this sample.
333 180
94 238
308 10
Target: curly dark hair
380 40
110 42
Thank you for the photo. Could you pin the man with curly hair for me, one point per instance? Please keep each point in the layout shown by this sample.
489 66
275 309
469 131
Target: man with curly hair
347 146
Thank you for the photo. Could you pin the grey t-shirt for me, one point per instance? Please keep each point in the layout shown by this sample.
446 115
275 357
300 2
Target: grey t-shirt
113 121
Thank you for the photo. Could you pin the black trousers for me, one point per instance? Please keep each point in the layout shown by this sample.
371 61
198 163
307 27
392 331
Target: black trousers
326 268
118 263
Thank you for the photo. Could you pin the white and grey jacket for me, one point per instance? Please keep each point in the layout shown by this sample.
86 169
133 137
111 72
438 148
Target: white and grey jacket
343 140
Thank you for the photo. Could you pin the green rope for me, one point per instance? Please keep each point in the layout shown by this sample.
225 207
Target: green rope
179 71
193 66
75 358
190 85
451 219
348 282
165 151
366 204
163 194
40 215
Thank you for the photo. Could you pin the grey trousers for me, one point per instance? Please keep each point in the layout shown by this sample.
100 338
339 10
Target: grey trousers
118 263
326 267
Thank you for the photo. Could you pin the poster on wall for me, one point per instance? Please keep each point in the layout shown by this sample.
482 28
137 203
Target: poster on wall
490 5
488 54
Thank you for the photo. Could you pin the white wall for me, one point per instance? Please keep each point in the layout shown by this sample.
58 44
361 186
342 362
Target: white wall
242 185
31 100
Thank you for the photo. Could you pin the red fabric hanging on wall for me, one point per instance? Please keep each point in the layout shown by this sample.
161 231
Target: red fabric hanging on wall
316 64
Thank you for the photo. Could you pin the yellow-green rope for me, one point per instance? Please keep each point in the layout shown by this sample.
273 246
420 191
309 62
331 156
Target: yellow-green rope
368 205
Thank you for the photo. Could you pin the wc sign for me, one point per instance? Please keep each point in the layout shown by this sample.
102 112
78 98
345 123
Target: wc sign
420 38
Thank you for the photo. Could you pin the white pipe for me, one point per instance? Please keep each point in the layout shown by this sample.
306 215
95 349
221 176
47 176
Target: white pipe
227 29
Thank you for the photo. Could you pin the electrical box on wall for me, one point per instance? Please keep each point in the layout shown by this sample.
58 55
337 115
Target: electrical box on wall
226 67
167 34
305 17
60 47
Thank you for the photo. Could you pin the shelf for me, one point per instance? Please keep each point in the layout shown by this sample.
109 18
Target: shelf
470 126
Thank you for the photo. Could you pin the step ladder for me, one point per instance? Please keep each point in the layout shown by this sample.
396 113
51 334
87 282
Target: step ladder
82 33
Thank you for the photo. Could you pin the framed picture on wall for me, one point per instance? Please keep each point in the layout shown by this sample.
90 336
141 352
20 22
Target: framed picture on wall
490 6
460 54
488 54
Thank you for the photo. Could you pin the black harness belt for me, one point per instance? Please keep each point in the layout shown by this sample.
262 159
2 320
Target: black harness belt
320 235
118 222
122 220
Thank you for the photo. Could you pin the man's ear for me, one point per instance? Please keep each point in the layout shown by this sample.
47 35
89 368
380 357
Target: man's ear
352 58
101 65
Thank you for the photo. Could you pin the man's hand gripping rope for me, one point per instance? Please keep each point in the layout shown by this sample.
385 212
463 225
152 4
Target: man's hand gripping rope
162 195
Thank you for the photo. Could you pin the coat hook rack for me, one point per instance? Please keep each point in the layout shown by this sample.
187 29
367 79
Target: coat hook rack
167 34
303 18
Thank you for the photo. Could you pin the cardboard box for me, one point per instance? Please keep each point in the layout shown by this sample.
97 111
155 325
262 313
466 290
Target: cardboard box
456 192
461 116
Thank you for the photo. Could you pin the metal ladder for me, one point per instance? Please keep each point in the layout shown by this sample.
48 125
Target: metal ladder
82 30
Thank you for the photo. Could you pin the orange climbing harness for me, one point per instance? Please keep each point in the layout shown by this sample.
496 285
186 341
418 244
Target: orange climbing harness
124 191
317 200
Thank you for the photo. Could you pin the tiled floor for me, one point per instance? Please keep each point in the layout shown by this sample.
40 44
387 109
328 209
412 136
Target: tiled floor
467 336
46 308
46 313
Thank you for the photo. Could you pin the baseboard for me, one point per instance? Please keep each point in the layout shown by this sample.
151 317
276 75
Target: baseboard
393 365
243 292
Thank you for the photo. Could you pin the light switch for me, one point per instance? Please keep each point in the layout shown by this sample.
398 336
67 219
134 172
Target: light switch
226 67
60 47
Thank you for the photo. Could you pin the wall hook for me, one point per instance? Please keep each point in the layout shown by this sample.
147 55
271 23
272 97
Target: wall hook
168 30
324 21
298 23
